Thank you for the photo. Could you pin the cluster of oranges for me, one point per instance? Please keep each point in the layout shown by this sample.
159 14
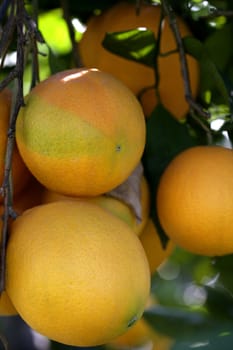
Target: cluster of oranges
81 251
78 261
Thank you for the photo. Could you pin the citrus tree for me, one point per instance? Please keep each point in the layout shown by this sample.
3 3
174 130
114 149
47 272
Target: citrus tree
116 168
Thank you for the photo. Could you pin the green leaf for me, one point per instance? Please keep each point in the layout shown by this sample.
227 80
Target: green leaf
166 137
55 32
219 302
211 78
59 63
191 328
219 46
137 44
224 267
176 322
193 46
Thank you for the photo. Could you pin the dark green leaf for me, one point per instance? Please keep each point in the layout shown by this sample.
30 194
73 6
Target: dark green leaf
193 47
214 340
219 302
176 322
166 137
58 63
224 267
219 46
137 44
191 328
211 79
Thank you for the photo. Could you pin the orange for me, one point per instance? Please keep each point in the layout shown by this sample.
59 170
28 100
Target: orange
142 335
81 133
83 279
116 206
113 205
195 200
138 335
6 306
151 242
163 342
122 16
20 173
27 198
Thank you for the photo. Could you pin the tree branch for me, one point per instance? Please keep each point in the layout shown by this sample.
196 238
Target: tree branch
183 60
67 17
26 33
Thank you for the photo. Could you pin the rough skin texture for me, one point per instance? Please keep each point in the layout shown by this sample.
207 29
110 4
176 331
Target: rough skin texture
195 200
82 132
84 276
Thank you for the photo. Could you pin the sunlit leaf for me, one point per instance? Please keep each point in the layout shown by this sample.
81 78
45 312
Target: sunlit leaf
137 44
54 30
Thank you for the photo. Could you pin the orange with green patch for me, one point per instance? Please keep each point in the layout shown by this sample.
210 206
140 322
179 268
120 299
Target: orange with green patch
82 132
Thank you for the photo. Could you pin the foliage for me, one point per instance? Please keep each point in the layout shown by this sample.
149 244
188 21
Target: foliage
195 293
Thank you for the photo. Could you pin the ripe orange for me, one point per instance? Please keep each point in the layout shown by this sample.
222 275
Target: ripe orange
116 206
155 252
30 196
142 335
6 306
138 335
195 200
81 133
122 16
20 174
163 342
113 205
90 279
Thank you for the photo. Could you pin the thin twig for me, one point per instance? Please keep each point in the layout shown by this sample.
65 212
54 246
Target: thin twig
156 64
67 17
33 37
7 35
218 13
183 60
11 76
27 34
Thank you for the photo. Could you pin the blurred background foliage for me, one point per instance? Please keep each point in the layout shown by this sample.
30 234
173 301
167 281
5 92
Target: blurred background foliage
194 293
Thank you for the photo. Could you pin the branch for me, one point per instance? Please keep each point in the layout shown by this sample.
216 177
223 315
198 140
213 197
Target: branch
26 33
67 17
7 35
34 37
183 60
218 13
